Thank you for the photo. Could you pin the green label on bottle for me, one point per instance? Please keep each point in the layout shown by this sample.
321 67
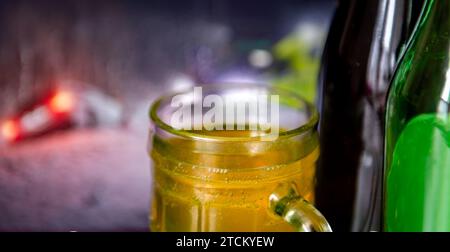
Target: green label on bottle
418 182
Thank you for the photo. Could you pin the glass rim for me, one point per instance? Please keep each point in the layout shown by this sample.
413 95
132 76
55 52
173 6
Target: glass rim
312 119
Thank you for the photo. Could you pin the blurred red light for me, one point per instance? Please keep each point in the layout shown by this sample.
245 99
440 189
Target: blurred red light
62 102
10 130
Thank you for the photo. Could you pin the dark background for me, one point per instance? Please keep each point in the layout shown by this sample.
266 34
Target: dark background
98 179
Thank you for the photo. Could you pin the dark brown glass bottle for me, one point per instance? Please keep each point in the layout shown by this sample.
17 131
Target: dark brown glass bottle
361 52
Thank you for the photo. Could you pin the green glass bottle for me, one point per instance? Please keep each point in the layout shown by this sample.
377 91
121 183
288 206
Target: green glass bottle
417 146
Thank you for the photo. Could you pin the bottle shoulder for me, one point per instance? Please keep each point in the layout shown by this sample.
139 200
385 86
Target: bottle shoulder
423 72
423 76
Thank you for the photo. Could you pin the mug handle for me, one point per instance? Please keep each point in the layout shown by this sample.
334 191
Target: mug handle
295 210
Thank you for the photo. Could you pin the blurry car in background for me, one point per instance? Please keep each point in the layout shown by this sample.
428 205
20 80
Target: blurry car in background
69 105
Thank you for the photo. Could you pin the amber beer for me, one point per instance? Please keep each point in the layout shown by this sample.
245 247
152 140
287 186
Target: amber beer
234 180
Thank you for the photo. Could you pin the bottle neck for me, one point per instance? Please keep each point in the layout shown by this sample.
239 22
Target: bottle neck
434 35
436 17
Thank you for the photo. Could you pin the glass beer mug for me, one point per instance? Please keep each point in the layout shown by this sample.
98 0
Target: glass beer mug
235 177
